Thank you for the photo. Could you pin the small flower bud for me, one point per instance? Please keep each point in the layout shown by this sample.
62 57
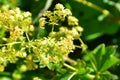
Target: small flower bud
22 54
26 14
68 12
79 28
72 21
23 68
42 22
63 29
31 28
52 34
59 6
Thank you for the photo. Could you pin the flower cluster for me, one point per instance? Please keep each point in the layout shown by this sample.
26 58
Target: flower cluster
73 33
60 43
49 51
13 24
60 14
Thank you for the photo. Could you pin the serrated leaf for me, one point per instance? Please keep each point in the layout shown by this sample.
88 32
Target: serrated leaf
103 58
98 53
112 60
108 58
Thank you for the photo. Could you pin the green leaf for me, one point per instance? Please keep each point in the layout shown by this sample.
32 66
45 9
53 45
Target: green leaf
98 53
83 71
102 58
109 59
112 60
82 77
5 78
53 66
105 76
64 76
93 36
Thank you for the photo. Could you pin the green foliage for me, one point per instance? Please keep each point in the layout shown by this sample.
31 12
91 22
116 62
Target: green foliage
38 45
101 59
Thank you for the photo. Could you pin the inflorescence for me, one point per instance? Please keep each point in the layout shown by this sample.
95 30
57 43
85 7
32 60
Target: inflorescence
50 51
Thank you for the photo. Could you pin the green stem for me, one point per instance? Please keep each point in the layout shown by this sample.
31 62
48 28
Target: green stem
10 43
81 41
74 73
83 45
52 27
78 46
27 36
70 60
85 2
93 65
70 67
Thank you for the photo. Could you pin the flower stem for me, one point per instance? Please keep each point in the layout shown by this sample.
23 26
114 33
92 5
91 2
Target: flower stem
85 2
93 65
78 46
10 43
70 60
70 67
27 36
52 27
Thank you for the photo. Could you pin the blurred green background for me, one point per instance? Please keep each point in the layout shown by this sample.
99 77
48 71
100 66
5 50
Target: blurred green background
99 27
